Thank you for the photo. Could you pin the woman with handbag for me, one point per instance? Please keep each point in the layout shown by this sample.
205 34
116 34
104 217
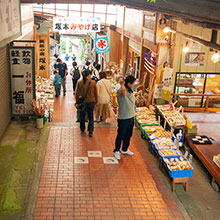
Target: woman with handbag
104 89
86 99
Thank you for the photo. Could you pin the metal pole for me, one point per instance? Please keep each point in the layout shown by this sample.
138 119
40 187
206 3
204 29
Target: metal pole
181 56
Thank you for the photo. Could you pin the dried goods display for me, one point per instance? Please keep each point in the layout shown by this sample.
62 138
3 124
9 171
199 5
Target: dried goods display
45 93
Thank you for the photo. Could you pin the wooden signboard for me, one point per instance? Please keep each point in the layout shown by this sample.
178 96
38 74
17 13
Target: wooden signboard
42 54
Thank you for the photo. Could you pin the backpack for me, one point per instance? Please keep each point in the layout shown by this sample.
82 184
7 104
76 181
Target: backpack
76 74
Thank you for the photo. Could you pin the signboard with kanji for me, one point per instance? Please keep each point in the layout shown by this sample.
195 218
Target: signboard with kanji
43 61
22 68
75 25
102 45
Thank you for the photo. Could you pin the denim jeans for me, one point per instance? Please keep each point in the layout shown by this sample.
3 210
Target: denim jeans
64 85
57 90
74 84
125 131
90 112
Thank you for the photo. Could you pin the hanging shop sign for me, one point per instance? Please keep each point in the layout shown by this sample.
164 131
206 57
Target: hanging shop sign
194 59
43 61
167 83
10 21
76 25
22 68
102 45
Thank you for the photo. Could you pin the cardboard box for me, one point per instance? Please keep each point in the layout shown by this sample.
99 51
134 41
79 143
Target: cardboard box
193 130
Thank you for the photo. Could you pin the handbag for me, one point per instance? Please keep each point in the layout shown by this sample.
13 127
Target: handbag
81 105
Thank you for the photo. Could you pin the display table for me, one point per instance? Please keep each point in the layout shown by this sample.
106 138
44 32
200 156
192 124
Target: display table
161 144
205 153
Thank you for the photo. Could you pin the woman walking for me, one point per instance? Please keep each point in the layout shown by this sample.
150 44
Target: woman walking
86 88
126 113
104 89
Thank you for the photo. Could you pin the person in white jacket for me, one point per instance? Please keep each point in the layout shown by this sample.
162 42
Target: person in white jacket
104 89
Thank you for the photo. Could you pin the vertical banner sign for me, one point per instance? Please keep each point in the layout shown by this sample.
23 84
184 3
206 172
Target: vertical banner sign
22 68
43 61
102 45
167 83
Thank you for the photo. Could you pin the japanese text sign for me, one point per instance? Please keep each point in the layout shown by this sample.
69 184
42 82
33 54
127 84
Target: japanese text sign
76 25
102 45
43 61
22 79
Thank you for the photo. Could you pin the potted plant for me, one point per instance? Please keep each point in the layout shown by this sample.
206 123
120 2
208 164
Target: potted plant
39 111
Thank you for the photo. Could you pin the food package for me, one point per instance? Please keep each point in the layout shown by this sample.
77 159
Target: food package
153 129
170 153
164 143
160 134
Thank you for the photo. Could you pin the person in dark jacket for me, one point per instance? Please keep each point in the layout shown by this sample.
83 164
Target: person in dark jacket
75 73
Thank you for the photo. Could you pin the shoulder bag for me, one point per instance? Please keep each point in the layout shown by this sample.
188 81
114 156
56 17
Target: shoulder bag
81 105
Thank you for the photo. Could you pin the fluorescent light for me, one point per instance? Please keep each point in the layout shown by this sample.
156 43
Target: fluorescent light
166 30
215 57
186 48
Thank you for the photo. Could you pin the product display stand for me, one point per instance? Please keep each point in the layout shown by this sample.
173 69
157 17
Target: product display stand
183 180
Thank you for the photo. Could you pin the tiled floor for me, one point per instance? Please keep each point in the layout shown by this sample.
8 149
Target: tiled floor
130 189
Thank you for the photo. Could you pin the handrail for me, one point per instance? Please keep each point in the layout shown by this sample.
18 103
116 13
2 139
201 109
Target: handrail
187 94
206 108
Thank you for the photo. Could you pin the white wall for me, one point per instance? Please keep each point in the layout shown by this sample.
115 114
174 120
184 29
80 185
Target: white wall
27 19
133 21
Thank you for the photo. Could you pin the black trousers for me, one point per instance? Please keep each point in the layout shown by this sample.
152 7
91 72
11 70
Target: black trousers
90 112
74 84
125 131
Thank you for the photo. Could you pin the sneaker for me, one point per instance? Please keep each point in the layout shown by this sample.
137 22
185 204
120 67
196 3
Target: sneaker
90 134
128 152
117 155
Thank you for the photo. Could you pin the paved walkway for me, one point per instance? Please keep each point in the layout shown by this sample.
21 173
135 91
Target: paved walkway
80 181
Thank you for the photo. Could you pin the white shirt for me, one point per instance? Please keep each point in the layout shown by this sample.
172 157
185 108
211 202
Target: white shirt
104 89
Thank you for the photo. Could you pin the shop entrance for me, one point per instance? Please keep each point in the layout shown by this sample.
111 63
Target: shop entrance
70 48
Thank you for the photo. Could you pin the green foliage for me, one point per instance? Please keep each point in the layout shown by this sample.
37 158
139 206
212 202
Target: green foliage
82 41
63 46
70 48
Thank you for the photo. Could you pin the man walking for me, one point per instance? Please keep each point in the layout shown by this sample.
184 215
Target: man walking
62 68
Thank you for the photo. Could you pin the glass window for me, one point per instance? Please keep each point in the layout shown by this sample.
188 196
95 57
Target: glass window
111 19
111 9
62 13
38 9
51 6
190 83
212 84
74 7
100 8
213 87
51 11
74 14
87 7
87 15
61 6
101 17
